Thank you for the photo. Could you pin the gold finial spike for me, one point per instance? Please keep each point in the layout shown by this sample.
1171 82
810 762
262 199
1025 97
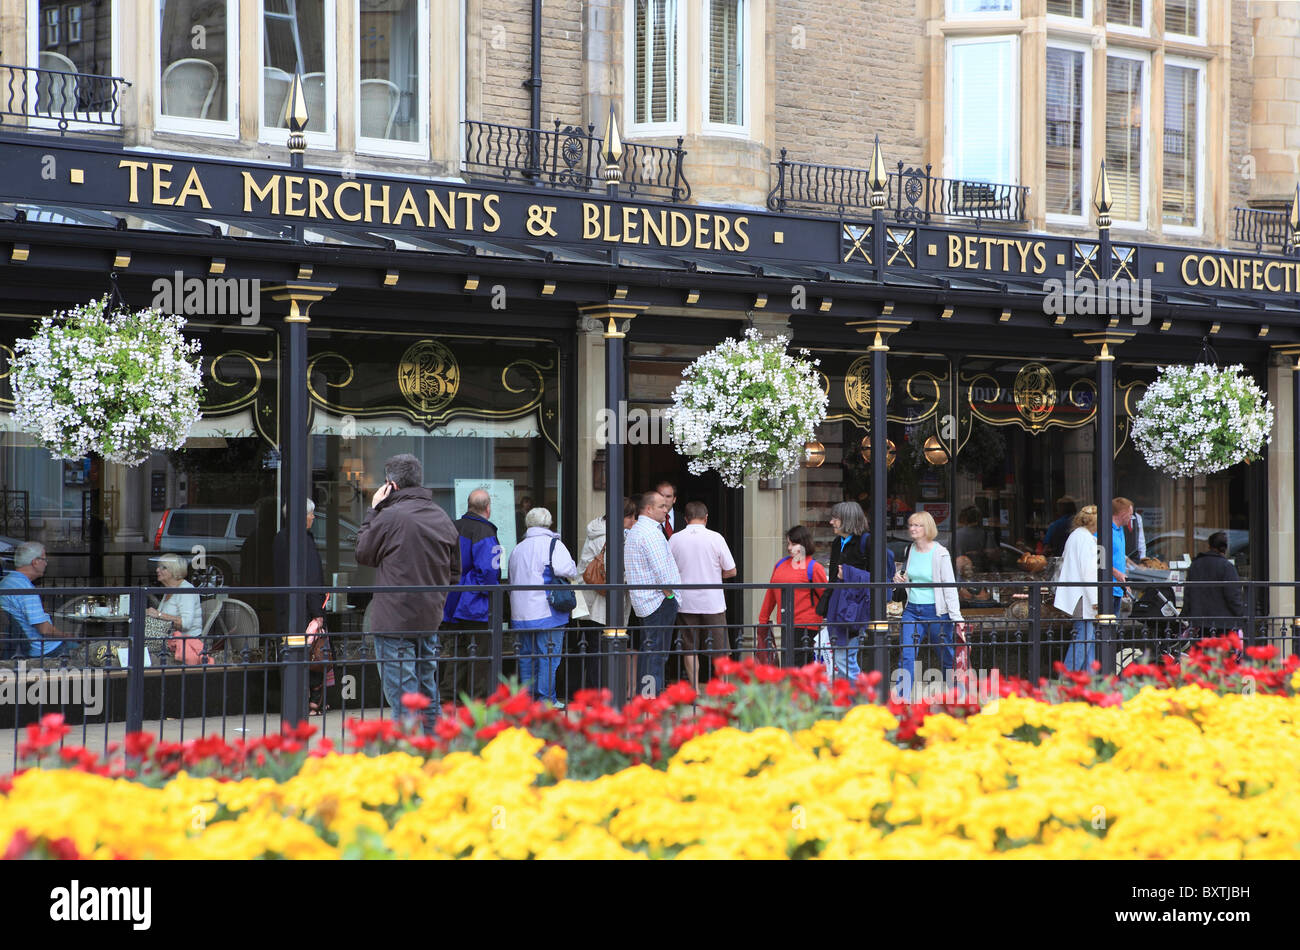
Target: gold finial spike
877 180
296 116
611 151
1102 200
1295 211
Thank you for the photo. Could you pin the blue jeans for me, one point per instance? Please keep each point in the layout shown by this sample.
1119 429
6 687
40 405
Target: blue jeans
1082 647
844 653
656 635
539 657
401 671
922 624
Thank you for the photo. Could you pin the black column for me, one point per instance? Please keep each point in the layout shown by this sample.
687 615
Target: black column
1105 479
294 479
1295 465
879 475
615 389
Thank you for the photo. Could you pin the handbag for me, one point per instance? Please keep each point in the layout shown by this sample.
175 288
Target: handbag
156 628
560 595
961 657
318 647
822 648
594 573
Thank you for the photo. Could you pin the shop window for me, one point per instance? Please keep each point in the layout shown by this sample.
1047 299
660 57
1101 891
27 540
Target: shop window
392 52
1126 107
73 44
298 37
983 110
198 66
1066 130
725 65
1127 14
1182 145
655 55
1183 18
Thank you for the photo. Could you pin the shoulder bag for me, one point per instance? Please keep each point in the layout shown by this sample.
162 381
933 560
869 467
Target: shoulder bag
594 573
560 596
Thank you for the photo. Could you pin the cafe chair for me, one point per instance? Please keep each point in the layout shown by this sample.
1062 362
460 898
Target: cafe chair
275 90
380 100
188 87
313 89
56 94
13 642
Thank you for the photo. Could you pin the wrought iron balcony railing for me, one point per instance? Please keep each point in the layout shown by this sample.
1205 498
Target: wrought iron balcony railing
913 194
1261 229
48 97
569 157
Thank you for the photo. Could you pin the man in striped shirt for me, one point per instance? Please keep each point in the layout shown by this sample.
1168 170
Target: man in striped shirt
648 564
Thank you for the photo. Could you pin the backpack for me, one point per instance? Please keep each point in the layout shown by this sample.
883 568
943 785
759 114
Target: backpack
810 562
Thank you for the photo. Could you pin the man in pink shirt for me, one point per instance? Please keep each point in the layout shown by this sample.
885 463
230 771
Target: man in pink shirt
702 557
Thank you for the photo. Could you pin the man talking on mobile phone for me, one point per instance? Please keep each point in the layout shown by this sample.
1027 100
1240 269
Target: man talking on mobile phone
410 541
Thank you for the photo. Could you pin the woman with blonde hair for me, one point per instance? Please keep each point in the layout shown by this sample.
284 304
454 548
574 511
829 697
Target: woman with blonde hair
931 610
1076 588
182 610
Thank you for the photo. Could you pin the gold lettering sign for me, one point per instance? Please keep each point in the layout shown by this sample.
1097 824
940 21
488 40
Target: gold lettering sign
428 376
1240 273
1009 255
857 387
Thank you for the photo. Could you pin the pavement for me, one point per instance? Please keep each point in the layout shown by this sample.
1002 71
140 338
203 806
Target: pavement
97 736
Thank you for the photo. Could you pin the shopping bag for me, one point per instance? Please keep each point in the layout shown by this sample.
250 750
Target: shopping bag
961 662
822 649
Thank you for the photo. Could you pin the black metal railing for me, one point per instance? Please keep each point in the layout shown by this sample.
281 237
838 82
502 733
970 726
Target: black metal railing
40 96
913 195
1261 229
568 157
240 676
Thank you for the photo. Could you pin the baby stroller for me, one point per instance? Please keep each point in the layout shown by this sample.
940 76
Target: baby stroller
1155 620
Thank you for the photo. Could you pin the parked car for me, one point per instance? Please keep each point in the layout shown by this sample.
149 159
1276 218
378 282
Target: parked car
7 546
221 533
1170 546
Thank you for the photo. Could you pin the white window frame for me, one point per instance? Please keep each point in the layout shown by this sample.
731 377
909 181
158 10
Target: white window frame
630 125
1144 30
273 135
1085 190
1084 20
34 27
953 14
1201 86
74 21
220 128
1198 38
396 147
1013 163
1144 180
740 130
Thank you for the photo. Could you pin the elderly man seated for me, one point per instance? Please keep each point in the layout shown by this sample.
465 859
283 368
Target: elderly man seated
25 611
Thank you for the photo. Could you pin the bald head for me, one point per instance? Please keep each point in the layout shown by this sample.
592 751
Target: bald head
480 502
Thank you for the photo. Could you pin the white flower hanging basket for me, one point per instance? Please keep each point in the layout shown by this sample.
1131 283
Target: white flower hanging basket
1197 420
116 384
746 409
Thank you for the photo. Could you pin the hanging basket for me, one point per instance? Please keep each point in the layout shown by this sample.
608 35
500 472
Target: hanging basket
112 383
1197 420
747 408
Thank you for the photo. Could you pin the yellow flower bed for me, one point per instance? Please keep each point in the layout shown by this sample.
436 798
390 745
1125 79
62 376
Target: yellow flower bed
1173 774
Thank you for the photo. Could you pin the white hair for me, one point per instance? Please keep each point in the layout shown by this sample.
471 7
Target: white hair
537 518
175 564
27 552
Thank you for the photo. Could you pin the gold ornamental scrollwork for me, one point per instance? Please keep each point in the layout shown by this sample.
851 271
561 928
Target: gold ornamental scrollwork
1034 392
6 367
428 376
857 387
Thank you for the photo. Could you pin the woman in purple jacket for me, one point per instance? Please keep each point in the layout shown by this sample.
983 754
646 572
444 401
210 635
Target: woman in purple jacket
539 628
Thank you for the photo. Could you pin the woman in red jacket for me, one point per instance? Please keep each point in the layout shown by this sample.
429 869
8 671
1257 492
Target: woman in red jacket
798 568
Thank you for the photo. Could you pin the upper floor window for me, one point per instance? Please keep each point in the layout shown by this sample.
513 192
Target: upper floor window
727 32
298 37
1127 14
1183 18
972 8
1074 9
1126 136
1182 144
73 44
1066 143
392 49
983 109
656 52
198 54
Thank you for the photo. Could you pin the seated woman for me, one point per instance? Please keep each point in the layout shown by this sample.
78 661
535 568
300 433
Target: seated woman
183 610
